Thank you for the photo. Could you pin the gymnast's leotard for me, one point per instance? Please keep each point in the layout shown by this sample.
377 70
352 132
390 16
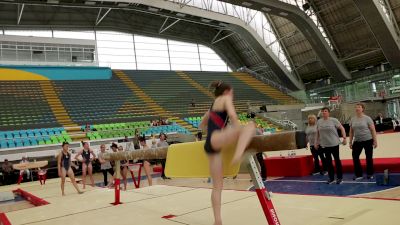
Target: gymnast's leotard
86 156
216 121
66 161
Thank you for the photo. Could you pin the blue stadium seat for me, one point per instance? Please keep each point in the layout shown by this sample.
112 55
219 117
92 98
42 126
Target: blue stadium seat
39 139
11 144
26 143
3 144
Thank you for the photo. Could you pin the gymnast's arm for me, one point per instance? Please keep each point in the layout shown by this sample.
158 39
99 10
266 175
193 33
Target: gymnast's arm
230 108
94 155
59 164
77 155
204 121
101 160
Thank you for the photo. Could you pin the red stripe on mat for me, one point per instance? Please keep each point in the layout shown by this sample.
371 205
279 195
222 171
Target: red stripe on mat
168 216
4 219
34 200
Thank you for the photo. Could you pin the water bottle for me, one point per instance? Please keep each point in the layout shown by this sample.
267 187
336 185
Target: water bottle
386 177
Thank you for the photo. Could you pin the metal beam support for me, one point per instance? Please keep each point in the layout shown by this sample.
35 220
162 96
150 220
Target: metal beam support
306 63
101 17
183 3
215 40
355 55
330 37
391 15
162 28
20 11
382 28
285 51
307 27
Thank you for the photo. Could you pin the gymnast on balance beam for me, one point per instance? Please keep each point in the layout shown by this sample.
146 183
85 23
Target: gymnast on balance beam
219 135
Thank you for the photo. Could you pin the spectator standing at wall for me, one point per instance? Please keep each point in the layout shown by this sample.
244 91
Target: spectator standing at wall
362 132
311 133
161 144
27 171
105 165
328 140
8 172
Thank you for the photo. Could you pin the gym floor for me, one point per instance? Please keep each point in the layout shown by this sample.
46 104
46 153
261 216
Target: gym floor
305 200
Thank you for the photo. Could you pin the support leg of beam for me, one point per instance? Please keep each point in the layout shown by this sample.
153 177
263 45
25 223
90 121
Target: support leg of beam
262 193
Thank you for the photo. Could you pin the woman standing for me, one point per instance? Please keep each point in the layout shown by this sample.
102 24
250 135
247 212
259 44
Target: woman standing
328 140
146 164
219 136
124 168
163 143
64 168
311 133
86 161
105 165
362 131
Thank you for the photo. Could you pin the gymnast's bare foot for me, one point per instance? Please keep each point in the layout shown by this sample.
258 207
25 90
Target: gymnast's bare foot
218 223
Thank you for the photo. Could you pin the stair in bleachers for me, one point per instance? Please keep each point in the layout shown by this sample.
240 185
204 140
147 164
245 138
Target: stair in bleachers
194 84
171 91
102 101
141 94
184 124
281 97
243 92
55 104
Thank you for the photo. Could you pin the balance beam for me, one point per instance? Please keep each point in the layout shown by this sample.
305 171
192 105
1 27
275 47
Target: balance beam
290 140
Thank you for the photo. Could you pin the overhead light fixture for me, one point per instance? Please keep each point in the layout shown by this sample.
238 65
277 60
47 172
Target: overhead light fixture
53 1
151 9
90 3
396 76
283 14
181 14
123 4
205 20
266 9
248 4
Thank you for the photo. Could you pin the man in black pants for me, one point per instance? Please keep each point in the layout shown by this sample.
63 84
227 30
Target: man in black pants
106 165
163 143
328 140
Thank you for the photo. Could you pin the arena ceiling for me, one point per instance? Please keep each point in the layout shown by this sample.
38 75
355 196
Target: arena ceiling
359 36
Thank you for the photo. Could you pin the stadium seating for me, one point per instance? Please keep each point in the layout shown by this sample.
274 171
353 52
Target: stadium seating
32 104
104 131
195 121
23 105
170 91
26 138
100 101
242 91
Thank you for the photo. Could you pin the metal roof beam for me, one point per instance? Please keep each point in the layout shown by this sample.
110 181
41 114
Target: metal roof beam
383 30
215 40
19 13
101 17
163 28
305 25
